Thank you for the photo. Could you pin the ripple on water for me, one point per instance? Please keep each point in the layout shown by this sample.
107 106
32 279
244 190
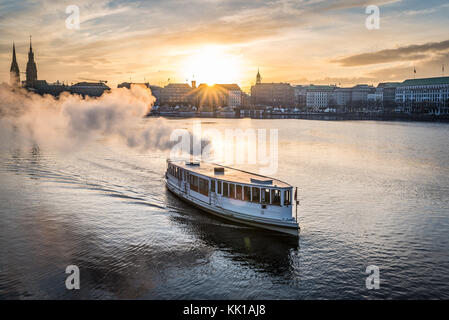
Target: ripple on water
371 194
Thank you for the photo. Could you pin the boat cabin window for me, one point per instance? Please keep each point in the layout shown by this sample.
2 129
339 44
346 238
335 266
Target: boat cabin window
247 193
194 183
287 198
265 195
225 189
204 187
238 192
276 197
212 186
219 187
256 195
232 190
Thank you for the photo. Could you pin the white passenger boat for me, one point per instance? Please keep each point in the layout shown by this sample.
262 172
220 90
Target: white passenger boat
234 194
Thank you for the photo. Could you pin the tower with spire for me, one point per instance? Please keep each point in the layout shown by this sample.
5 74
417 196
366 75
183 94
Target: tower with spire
14 73
258 77
31 73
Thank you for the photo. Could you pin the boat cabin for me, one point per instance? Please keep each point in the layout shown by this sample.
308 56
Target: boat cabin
232 189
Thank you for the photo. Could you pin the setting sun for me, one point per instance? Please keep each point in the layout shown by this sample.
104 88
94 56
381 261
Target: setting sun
213 65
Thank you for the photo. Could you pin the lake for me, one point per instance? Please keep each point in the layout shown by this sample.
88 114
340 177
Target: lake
371 193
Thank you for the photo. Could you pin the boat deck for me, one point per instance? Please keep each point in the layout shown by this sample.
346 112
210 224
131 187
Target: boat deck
230 174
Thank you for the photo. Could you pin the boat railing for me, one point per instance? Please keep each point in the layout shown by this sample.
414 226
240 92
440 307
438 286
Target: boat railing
216 200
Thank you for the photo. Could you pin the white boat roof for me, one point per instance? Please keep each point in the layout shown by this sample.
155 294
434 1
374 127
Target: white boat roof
230 174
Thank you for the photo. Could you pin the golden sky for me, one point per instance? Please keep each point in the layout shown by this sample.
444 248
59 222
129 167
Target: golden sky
218 41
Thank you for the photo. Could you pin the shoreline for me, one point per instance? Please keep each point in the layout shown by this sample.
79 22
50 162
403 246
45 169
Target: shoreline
312 116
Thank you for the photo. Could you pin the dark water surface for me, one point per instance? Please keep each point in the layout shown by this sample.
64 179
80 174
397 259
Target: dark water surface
372 193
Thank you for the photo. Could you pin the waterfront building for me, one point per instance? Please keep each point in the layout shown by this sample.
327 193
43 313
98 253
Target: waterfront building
128 85
176 93
359 97
427 95
359 93
246 100
14 72
319 97
342 98
375 96
92 89
232 94
383 98
31 71
389 95
219 95
155 90
273 94
43 87
204 98
258 77
300 93
375 99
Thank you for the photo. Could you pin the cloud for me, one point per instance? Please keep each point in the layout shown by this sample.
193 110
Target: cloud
425 11
339 81
120 39
347 4
407 53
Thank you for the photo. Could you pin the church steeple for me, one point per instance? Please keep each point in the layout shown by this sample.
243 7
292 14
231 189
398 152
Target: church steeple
258 77
14 73
30 53
31 72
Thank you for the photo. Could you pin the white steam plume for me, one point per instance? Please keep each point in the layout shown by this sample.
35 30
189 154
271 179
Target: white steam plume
70 121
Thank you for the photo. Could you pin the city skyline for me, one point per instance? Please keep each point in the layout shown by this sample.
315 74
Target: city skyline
288 41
